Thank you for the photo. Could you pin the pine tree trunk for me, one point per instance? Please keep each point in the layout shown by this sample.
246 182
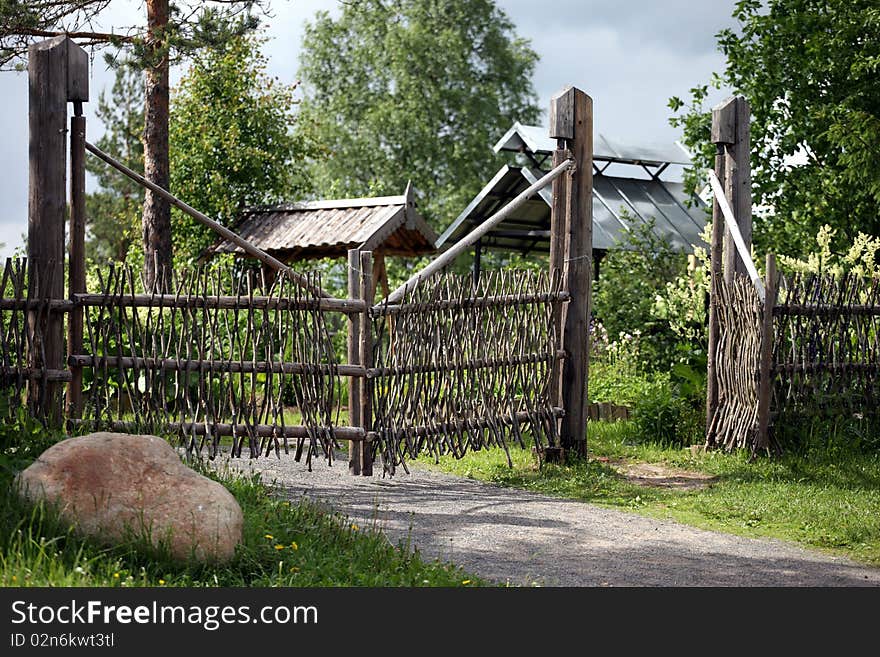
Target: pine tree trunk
156 219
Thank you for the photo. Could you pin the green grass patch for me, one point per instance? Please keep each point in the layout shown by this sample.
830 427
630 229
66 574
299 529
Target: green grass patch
820 497
285 543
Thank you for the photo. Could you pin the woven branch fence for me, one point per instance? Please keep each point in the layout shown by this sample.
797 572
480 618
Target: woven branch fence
21 349
826 352
823 344
458 367
225 358
223 353
740 313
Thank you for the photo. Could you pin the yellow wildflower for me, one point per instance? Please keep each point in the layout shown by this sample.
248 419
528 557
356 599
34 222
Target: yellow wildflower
269 536
354 528
161 582
116 575
465 581
279 547
294 546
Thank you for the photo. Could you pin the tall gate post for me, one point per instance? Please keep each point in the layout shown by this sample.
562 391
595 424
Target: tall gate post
57 73
571 123
730 134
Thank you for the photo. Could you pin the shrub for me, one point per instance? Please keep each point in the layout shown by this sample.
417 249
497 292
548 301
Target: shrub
664 414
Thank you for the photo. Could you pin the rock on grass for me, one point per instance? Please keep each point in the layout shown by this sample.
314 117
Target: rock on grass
118 487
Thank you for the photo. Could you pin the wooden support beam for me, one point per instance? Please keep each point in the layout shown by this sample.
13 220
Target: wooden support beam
715 276
480 231
217 227
355 434
572 114
227 302
730 134
478 257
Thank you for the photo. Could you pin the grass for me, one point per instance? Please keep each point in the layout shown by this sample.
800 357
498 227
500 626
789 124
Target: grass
822 497
295 544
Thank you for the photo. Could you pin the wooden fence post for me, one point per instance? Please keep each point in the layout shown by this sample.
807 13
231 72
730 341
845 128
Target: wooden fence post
730 126
765 388
57 73
557 274
76 256
354 348
366 359
730 134
571 119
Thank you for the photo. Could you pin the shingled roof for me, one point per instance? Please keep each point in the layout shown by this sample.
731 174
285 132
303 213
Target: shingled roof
317 229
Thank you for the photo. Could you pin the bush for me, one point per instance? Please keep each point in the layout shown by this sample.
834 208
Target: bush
664 413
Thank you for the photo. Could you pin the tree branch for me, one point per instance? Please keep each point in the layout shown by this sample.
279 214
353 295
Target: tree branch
95 37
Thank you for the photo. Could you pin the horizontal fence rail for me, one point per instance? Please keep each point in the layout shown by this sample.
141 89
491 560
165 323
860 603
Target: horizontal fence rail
219 302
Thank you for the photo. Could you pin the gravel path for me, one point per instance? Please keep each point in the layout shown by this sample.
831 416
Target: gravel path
522 538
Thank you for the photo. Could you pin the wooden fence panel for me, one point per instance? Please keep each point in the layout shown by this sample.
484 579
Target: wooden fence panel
458 368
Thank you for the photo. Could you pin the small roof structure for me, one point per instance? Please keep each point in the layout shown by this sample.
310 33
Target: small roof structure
618 201
388 224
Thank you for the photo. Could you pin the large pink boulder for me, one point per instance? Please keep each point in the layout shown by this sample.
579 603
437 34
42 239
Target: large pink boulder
115 486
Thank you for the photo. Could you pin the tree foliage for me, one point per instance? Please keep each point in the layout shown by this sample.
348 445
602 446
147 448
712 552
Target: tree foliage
811 72
232 140
113 211
171 30
413 89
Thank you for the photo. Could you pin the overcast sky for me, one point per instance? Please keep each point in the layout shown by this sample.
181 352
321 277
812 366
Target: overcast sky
629 55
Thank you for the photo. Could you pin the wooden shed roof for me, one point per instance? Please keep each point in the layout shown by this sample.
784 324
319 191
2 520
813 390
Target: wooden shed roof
330 228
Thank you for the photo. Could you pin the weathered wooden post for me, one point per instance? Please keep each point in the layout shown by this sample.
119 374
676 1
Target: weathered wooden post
360 352
366 359
76 256
765 375
57 73
354 347
730 134
571 234
732 129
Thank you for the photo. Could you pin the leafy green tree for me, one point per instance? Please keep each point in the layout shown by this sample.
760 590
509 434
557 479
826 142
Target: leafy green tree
113 212
232 140
413 89
811 72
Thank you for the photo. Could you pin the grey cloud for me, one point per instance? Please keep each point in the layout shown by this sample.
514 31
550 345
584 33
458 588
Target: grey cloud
685 25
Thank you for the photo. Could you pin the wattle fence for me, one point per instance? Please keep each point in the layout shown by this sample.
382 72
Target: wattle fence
226 362
810 350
